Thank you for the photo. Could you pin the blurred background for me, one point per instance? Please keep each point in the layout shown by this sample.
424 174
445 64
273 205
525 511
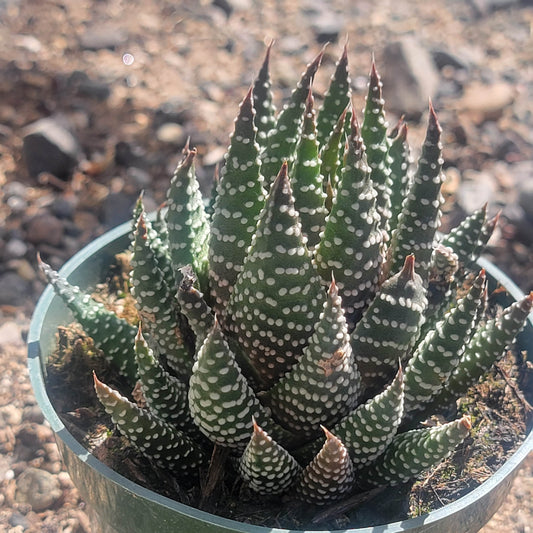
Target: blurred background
97 99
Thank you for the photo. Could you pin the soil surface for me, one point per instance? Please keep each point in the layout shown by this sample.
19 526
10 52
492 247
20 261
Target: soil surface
125 83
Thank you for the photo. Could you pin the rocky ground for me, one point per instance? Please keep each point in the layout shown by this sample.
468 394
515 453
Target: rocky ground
123 84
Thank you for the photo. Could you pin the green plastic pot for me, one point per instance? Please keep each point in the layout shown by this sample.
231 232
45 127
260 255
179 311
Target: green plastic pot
121 505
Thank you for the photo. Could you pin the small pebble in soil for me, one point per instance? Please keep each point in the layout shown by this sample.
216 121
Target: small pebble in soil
38 488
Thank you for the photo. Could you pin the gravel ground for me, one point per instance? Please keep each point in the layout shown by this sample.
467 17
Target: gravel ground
125 83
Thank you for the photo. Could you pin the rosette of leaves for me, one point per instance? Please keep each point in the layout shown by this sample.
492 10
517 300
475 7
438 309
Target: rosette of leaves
311 314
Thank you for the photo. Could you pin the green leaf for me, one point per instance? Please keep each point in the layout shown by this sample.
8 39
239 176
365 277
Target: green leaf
240 198
390 326
329 476
412 453
188 226
441 285
265 466
488 344
336 99
152 436
165 395
306 181
464 238
221 401
265 118
323 385
369 429
439 352
351 245
282 140
278 296
157 306
331 152
400 178
374 133
111 334
198 314
420 215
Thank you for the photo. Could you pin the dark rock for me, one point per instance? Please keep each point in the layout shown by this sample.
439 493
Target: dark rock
34 435
409 77
99 90
225 5
76 78
97 38
38 488
118 208
19 520
327 27
127 154
33 413
49 146
171 111
45 229
443 58
483 7
13 289
63 207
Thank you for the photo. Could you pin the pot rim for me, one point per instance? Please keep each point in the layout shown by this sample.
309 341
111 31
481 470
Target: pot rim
39 389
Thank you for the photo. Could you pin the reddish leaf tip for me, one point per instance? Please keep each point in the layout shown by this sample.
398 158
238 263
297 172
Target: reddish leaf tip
408 270
466 422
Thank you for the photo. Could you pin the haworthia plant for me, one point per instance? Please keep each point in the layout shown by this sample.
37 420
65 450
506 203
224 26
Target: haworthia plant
312 298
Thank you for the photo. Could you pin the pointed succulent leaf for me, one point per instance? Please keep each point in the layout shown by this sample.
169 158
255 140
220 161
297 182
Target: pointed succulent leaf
111 334
323 385
221 401
336 99
266 466
486 233
278 296
351 245
198 314
440 350
412 453
188 226
240 198
420 215
329 476
152 436
157 306
464 238
265 117
374 133
281 142
369 429
306 181
390 326
165 395
157 239
488 344
331 151
400 177
443 267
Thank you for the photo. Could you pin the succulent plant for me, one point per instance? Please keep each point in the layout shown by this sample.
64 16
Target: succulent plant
317 299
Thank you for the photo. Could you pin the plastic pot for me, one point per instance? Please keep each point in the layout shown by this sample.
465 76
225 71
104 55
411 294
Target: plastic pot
121 505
